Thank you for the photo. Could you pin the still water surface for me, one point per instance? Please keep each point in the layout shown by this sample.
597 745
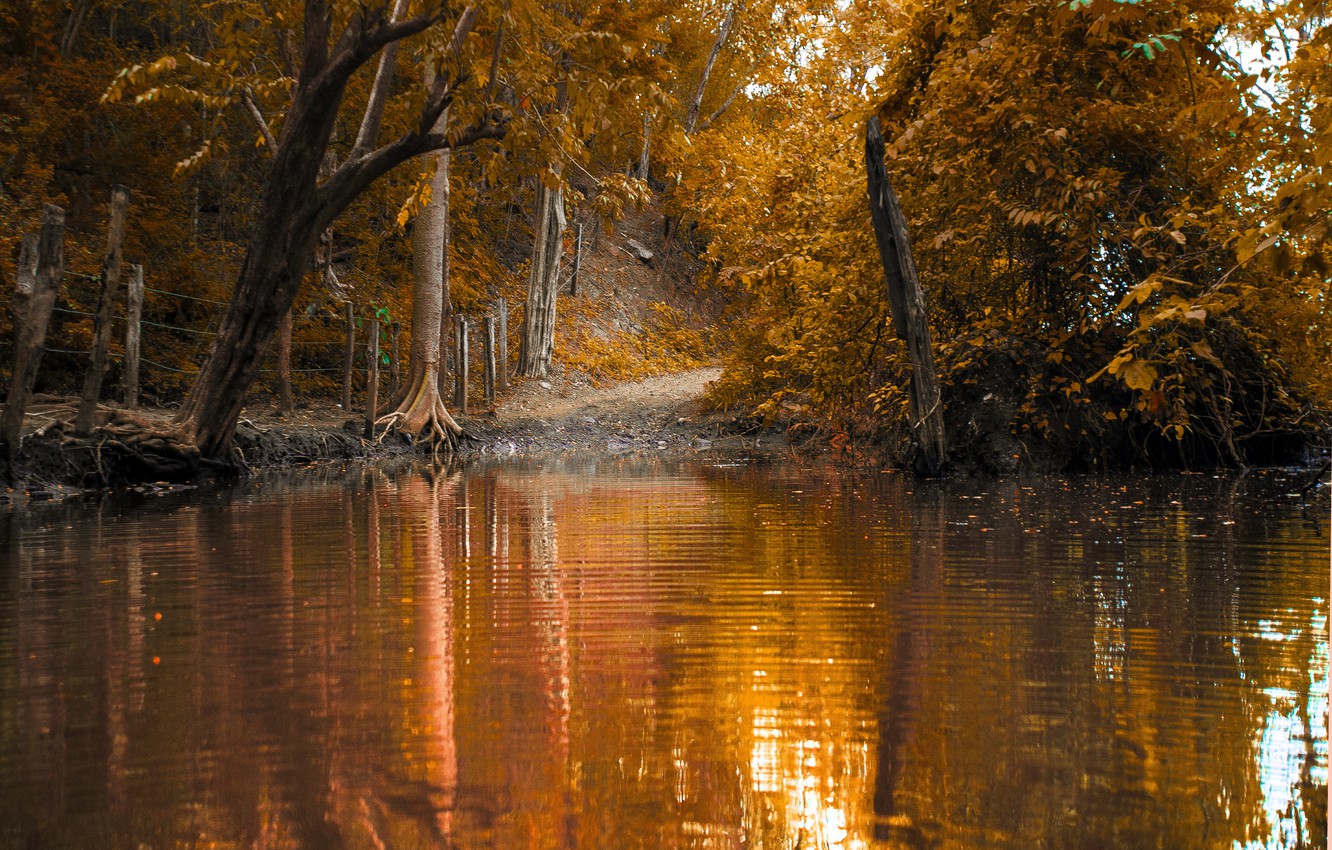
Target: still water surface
652 654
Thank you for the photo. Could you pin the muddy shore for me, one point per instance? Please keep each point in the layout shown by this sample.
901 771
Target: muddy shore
549 417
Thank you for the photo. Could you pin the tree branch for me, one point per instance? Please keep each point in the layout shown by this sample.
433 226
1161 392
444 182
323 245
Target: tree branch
314 47
354 176
247 98
374 107
691 117
726 104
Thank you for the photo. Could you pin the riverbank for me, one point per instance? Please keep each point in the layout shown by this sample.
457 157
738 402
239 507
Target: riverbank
661 414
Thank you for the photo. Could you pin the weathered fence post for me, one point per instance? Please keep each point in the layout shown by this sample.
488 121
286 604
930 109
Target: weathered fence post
578 260
489 340
502 366
25 280
285 401
907 304
371 378
39 273
460 388
349 352
133 317
92 382
394 379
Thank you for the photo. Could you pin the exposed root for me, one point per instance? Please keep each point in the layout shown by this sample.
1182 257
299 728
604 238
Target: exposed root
126 450
422 415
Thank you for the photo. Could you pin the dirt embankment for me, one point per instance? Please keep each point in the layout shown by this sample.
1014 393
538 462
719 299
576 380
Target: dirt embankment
557 416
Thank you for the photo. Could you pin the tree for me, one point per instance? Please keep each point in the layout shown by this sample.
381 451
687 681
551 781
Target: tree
295 208
420 409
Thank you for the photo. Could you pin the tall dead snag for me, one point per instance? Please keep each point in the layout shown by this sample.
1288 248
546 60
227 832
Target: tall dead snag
295 207
92 382
40 268
907 303
543 283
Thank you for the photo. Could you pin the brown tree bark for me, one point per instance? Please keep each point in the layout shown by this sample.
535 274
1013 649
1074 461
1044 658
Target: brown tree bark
907 303
294 208
92 381
40 268
538 349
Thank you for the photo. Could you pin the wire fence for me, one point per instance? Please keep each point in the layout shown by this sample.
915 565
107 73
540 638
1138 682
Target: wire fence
168 339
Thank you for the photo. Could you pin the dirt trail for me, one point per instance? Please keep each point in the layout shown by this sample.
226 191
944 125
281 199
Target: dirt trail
653 415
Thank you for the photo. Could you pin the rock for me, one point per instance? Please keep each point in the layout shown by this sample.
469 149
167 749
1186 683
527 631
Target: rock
639 250
545 385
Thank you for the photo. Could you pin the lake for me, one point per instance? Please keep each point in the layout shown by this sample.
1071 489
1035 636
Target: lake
628 652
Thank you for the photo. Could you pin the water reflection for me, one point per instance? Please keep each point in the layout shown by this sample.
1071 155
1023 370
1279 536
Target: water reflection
642 654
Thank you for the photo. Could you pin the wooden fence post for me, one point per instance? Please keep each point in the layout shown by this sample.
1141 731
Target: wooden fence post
133 317
348 353
285 401
25 280
578 260
92 382
489 340
460 389
40 271
394 379
907 304
372 378
502 366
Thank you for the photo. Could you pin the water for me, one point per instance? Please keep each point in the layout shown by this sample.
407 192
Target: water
648 654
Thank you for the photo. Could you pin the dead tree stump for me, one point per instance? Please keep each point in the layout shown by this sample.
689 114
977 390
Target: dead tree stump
92 382
39 284
907 303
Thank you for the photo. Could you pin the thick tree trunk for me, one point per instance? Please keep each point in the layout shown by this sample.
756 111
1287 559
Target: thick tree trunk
538 349
907 302
420 410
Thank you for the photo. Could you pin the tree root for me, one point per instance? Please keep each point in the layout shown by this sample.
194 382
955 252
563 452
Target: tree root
127 450
422 415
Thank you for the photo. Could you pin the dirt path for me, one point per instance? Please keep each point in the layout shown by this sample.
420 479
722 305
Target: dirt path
657 414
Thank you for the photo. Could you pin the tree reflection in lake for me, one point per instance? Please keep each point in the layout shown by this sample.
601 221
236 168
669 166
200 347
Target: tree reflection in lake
642 654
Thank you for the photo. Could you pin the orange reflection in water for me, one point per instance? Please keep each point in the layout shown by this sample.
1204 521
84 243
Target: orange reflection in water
655 656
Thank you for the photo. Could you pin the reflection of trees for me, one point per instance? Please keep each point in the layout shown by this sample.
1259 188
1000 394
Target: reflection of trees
515 658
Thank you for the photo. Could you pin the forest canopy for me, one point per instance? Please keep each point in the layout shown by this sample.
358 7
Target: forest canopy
1119 208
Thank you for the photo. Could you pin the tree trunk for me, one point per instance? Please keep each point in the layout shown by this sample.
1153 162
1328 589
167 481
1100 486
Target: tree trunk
285 404
420 409
374 107
538 349
644 154
907 303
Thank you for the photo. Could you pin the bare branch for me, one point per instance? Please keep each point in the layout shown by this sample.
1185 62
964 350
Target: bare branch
374 107
354 175
691 117
247 98
726 104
